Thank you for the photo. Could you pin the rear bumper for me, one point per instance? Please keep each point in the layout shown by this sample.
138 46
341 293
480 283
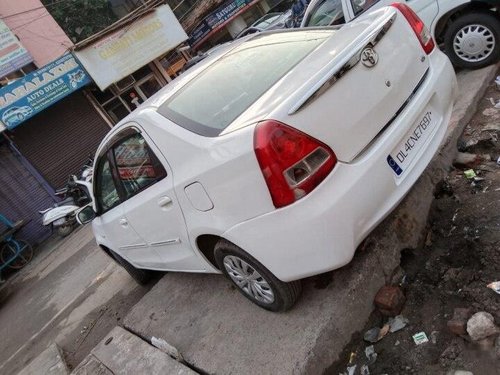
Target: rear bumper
320 232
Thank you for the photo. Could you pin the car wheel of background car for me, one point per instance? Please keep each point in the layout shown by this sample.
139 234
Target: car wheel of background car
65 229
253 280
141 276
472 41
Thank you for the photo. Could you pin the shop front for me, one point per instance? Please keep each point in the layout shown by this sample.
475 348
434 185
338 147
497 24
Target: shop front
227 20
130 61
49 129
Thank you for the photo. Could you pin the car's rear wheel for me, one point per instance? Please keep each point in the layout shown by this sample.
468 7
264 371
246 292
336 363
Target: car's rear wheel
142 277
255 281
472 41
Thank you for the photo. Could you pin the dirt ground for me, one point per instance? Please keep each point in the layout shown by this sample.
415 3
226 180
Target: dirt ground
451 270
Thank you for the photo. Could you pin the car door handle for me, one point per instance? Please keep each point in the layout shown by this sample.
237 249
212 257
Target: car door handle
164 201
123 222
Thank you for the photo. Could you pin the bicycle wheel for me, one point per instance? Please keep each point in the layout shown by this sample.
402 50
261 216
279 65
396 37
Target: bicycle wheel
9 250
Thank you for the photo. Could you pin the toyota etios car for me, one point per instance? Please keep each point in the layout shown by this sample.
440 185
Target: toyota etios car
273 160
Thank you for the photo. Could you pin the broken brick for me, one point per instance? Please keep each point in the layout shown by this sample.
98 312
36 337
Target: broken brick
390 300
458 324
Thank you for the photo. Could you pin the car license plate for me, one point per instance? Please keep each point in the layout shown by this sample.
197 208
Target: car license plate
401 157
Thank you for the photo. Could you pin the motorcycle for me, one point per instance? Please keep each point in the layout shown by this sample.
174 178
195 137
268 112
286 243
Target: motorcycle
62 216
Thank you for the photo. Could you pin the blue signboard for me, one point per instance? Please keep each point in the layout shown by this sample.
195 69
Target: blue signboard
38 90
218 17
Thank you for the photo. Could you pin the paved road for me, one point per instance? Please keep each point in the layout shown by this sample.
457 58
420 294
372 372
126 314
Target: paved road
71 294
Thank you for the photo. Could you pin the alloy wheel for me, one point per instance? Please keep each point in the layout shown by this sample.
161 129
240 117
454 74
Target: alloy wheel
248 279
474 43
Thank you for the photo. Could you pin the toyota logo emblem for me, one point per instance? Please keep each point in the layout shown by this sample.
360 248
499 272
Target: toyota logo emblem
369 57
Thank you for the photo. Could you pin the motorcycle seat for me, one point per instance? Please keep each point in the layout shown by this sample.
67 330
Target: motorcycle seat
65 202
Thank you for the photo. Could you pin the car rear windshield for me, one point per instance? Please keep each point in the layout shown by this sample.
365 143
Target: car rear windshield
220 93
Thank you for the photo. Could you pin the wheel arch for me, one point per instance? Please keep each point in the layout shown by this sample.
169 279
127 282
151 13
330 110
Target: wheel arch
445 20
107 251
206 245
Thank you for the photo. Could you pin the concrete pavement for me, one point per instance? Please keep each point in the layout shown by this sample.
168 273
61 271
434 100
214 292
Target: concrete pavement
49 362
71 294
220 332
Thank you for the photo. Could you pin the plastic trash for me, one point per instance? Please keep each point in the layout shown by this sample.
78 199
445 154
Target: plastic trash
497 82
397 323
365 370
420 338
370 354
372 335
495 286
167 348
352 358
470 174
351 370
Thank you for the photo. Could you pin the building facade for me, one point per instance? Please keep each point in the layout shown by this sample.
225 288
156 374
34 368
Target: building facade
48 124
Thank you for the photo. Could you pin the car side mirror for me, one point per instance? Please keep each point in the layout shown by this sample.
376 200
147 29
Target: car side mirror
85 214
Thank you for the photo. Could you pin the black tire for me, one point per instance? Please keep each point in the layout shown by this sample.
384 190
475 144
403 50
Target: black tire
488 20
64 230
142 277
9 250
285 294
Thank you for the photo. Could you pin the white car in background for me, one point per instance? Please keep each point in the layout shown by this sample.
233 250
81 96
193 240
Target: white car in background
273 159
467 30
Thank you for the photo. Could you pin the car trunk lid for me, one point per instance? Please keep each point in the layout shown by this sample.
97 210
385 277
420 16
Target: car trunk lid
335 96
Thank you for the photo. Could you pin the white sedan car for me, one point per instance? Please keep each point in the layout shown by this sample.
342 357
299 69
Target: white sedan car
468 30
273 160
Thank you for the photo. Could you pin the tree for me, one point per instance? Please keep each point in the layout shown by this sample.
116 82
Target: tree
81 18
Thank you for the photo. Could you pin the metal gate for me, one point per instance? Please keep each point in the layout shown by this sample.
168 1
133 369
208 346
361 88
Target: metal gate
59 140
22 195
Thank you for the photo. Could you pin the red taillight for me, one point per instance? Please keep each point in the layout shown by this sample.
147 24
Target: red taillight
292 162
418 26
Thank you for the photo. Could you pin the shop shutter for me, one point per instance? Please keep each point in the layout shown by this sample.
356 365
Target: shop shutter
59 140
22 196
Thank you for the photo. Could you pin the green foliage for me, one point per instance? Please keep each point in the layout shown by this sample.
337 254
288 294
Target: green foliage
81 18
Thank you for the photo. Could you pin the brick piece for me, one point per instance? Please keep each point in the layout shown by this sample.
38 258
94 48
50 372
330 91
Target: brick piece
390 300
458 324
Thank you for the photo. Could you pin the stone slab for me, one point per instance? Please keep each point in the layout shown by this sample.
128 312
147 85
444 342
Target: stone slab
49 362
121 352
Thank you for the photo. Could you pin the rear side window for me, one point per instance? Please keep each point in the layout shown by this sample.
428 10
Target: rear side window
106 192
224 90
325 13
137 165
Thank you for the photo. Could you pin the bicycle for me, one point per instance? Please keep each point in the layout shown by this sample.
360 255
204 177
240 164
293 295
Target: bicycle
14 253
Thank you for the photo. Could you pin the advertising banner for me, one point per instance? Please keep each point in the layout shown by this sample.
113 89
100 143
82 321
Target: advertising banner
123 52
219 17
13 56
40 89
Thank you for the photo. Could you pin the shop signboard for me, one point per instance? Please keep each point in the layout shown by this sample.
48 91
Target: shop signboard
225 12
40 89
13 56
121 53
201 31
219 17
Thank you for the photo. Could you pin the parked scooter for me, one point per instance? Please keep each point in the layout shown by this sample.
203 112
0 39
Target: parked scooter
62 217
